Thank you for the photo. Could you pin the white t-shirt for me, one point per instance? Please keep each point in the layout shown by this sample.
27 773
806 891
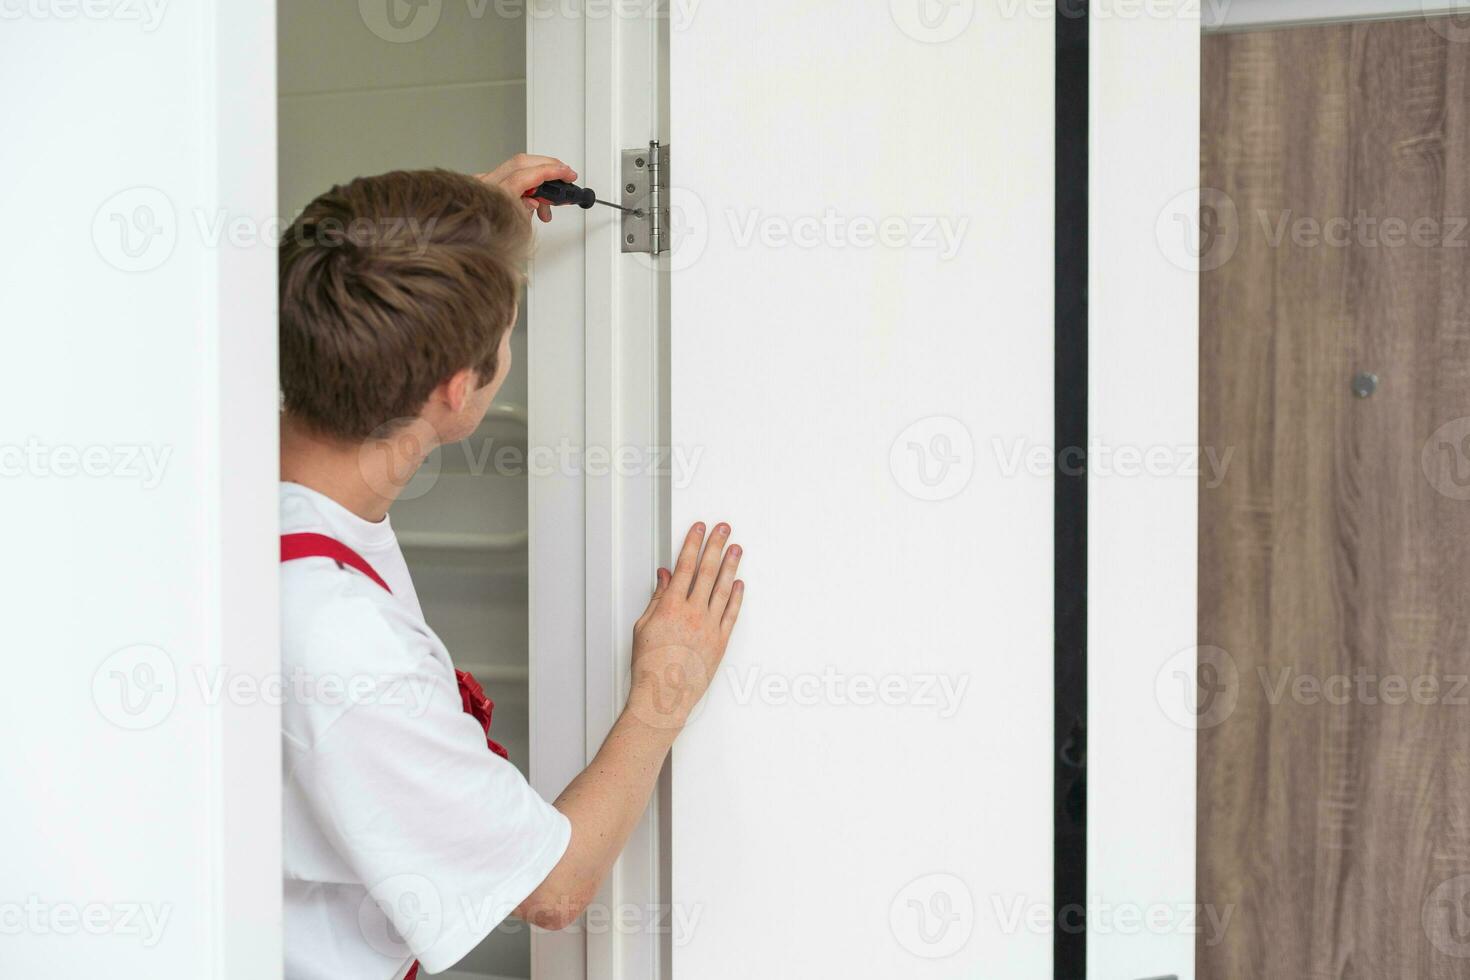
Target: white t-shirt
405 836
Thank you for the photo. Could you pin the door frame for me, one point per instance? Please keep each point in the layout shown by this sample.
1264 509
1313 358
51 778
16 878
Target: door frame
1255 15
597 329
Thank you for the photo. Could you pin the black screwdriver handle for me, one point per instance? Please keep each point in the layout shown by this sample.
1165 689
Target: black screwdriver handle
563 192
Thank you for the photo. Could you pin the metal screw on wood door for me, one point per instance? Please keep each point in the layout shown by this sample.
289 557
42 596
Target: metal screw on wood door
1364 384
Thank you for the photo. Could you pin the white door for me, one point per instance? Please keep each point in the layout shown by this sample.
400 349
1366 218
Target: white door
138 447
862 312
862 360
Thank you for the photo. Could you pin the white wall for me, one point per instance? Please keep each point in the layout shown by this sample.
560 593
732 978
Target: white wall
823 384
137 441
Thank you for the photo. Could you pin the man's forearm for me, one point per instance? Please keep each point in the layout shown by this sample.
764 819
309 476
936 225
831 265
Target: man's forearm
678 644
604 804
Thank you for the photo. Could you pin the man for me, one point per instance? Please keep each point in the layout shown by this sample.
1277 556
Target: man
407 837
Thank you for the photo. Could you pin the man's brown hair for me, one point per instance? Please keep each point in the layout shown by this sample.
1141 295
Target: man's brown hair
389 286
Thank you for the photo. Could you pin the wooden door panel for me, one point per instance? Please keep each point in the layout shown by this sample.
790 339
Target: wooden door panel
1334 824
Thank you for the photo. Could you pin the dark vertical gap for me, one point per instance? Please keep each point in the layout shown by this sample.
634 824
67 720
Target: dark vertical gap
1069 609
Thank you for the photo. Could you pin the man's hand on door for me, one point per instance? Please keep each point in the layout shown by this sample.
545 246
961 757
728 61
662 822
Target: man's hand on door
678 643
680 639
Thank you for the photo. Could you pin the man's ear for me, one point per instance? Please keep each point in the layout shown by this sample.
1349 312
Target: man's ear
456 390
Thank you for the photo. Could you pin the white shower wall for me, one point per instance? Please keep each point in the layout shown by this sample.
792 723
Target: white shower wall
358 99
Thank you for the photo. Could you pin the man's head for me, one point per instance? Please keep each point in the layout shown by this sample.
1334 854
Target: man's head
398 294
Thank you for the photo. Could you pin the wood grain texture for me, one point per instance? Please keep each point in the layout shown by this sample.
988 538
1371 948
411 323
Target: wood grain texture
1333 826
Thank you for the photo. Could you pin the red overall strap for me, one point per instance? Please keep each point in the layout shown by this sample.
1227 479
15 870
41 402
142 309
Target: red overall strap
471 695
294 546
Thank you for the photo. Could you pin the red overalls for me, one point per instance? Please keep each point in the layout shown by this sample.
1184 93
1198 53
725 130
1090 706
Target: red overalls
471 694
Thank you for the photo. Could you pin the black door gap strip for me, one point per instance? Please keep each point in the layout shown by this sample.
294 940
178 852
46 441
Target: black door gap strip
1069 600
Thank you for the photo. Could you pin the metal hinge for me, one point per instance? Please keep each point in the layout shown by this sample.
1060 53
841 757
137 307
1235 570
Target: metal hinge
646 192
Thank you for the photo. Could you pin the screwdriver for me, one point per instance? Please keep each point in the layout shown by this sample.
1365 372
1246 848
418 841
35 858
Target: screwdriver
558 192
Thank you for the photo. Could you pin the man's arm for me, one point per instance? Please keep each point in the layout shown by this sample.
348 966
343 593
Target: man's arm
678 644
